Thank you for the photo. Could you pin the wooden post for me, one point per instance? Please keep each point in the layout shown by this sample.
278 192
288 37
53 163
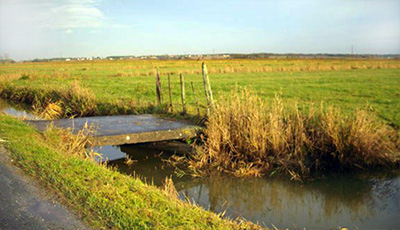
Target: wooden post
170 93
195 100
183 94
207 89
158 89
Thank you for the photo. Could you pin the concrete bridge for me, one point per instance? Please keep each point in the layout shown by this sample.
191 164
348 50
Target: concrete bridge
124 129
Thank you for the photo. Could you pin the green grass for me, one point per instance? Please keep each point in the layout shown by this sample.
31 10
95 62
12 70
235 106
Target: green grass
105 198
376 90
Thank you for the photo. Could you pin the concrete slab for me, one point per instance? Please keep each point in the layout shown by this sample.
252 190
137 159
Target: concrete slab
124 129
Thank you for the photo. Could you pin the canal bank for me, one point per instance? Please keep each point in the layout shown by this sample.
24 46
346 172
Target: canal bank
366 200
104 197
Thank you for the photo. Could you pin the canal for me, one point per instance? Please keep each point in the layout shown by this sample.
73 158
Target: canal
357 200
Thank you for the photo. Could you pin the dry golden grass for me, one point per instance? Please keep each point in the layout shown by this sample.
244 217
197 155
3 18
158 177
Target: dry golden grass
247 137
169 188
8 77
78 101
147 68
261 69
50 112
123 74
73 143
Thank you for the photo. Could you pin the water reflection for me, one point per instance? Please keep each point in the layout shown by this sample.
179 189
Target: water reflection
346 200
365 201
17 110
148 164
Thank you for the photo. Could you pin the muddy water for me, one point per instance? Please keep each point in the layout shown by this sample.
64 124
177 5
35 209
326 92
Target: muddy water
355 200
17 110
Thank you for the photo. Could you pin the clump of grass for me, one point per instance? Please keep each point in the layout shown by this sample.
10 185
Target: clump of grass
72 143
78 101
245 136
50 112
169 188
24 77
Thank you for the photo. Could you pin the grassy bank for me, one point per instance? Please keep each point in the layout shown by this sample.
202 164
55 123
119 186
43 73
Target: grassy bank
246 136
104 198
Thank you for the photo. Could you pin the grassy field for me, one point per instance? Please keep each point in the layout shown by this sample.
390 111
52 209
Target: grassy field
346 84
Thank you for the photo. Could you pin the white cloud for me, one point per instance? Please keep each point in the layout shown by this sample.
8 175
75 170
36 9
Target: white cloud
68 31
71 14
28 27
64 14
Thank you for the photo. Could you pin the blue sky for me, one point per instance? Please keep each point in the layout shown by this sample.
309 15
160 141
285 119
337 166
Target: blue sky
40 29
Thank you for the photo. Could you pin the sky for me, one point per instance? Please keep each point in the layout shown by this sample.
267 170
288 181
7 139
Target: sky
89 28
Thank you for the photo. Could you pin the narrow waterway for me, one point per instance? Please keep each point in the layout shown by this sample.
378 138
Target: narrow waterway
367 200
364 200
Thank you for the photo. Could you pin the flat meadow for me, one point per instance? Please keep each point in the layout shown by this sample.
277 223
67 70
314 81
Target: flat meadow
347 84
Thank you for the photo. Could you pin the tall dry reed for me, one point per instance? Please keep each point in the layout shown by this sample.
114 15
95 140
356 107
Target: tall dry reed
246 136
72 143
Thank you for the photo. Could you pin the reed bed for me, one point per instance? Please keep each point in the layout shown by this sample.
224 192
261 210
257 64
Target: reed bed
70 101
245 136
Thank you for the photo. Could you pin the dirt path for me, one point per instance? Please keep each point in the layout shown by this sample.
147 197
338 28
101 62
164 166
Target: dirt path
24 205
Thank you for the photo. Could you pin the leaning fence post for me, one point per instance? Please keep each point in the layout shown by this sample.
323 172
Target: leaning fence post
183 94
158 89
170 93
207 88
195 99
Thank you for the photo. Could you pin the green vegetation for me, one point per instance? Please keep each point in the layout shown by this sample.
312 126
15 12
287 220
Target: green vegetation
125 87
104 198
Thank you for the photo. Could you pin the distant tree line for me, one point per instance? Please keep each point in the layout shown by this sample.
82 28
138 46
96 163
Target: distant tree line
5 58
